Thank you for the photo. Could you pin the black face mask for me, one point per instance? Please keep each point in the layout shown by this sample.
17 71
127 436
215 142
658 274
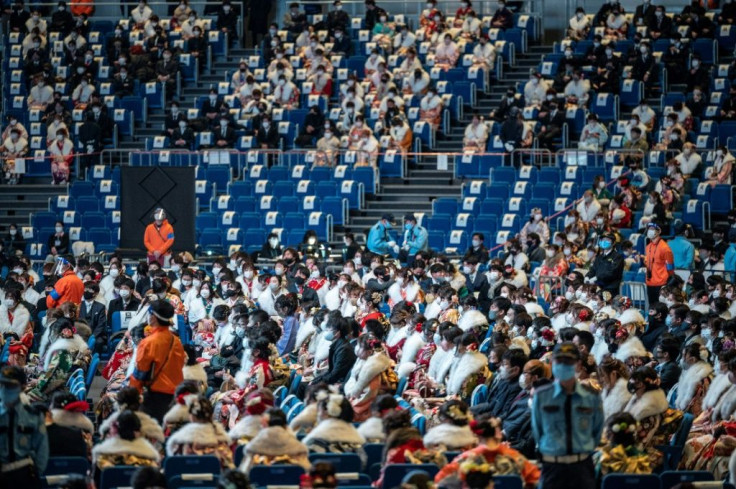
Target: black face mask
231 293
299 280
492 366
89 295
612 347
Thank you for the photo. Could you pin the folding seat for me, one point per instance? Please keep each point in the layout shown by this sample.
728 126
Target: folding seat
321 223
522 190
222 203
283 189
503 174
240 189
61 203
272 219
93 220
228 219
470 205
510 222
439 222
444 205
468 165
353 191
492 206
486 224
457 240
632 92
337 207
516 205
206 220
605 106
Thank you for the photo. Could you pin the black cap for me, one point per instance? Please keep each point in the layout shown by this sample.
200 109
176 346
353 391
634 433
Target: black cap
608 235
12 376
388 217
410 217
566 351
163 310
678 226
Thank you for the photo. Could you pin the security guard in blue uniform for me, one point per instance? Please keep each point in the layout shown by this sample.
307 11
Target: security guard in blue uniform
567 422
24 445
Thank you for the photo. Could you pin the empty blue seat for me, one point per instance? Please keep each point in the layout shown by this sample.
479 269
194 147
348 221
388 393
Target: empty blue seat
191 464
439 222
64 466
444 205
395 473
631 481
294 220
265 475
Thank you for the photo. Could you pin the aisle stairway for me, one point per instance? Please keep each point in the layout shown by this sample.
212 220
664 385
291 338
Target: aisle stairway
18 202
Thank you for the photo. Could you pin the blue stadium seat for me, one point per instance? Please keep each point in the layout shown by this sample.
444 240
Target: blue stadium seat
631 481
117 477
605 106
190 465
444 205
58 467
262 476
394 473
436 240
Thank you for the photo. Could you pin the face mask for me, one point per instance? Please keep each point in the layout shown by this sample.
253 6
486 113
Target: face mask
683 364
279 270
550 253
274 287
273 242
13 232
330 335
563 372
9 303
492 315
89 295
707 334
60 137
205 294
651 233
444 305
59 229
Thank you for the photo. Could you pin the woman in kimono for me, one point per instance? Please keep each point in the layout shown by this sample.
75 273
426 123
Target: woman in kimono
256 403
695 379
453 433
335 432
405 288
128 399
201 436
614 377
274 444
372 374
470 370
127 447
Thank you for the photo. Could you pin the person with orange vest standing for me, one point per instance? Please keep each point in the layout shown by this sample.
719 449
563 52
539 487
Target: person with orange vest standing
69 288
159 362
659 261
159 238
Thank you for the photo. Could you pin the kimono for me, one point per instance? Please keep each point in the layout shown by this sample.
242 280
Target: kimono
63 356
418 377
503 459
305 420
657 422
334 435
62 155
75 420
201 439
413 344
619 459
176 417
246 429
116 452
367 380
704 450
692 387
17 321
449 437
150 429
395 341
405 446
411 293
615 398
274 445
372 430
469 371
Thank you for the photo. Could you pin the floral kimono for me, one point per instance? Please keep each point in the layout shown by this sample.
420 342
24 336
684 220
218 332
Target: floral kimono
63 357
116 452
470 371
369 378
202 439
418 378
621 460
657 422
275 445
407 447
504 459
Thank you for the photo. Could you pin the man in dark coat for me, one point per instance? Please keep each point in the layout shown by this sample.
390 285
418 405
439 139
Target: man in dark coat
93 313
517 423
258 20
126 302
506 388
608 267
90 139
342 355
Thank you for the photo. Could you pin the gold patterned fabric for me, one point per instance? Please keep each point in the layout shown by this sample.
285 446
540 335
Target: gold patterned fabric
623 461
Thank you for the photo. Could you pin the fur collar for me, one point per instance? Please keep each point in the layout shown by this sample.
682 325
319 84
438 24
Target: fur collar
651 403
630 316
323 350
305 331
73 345
433 310
468 364
139 447
718 386
247 427
149 426
306 419
242 375
21 318
689 381
276 440
332 299
201 434
334 430
632 347
195 372
472 319
599 350
72 420
457 282
177 414
615 398
364 372
413 344
372 429
450 436
395 336
440 364
726 406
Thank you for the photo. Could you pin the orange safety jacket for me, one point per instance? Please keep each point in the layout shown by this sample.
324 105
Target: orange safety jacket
159 361
159 239
69 288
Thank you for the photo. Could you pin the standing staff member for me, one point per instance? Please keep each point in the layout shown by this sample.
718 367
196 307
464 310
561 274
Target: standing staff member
23 435
659 260
159 238
69 288
567 422
158 363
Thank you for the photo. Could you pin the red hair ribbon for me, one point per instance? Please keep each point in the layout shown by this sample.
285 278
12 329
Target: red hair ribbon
77 407
418 327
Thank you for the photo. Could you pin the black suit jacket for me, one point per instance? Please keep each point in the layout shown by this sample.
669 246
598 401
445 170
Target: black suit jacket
90 134
340 362
122 87
116 305
645 12
270 137
662 25
307 293
187 135
669 375
65 441
229 136
95 317
553 122
480 285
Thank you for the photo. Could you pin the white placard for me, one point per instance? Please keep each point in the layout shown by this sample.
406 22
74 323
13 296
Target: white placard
442 162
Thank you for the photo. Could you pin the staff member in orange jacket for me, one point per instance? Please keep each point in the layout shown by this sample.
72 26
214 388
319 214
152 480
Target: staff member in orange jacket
659 260
159 361
159 238
69 288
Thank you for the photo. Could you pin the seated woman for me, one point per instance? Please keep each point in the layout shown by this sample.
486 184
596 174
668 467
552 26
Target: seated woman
695 379
307 419
201 436
126 448
372 428
335 432
430 108
453 433
614 377
371 375
471 368
178 414
401 136
128 399
61 151
502 458
404 444
446 54
68 352
656 422
14 317
67 411
621 453
713 434
256 403
274 444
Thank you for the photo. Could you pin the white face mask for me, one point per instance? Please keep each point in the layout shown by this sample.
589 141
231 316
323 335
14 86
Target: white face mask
651 234
205 294
59 229
274 286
